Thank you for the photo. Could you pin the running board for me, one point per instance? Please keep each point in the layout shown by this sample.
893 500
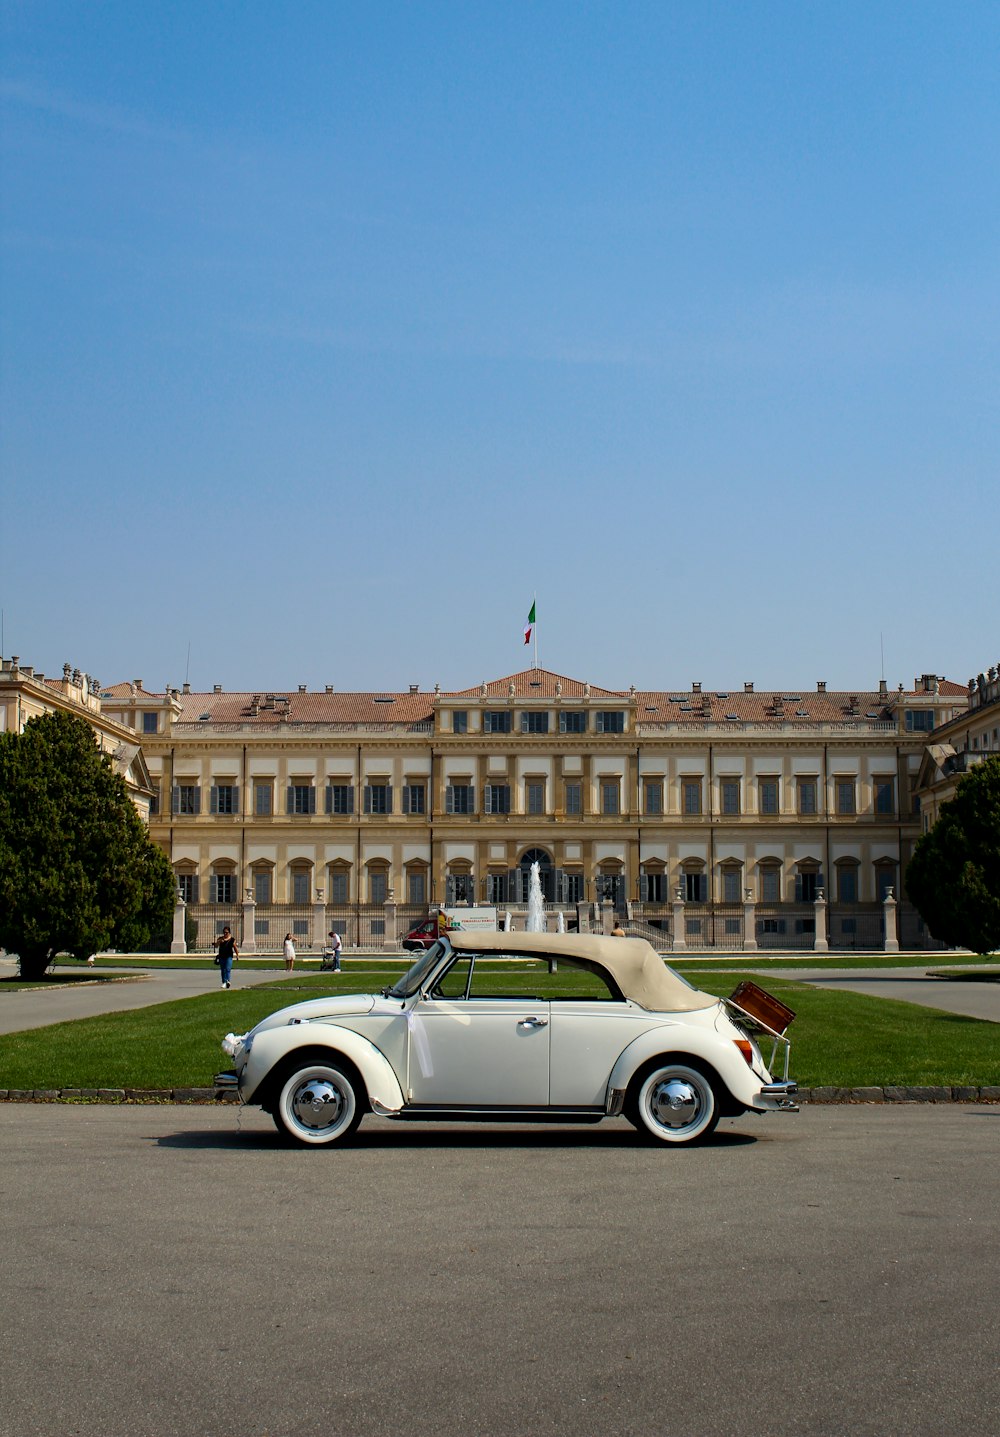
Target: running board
416 1112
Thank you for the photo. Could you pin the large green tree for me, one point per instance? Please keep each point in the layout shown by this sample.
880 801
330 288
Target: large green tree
954 875
78 871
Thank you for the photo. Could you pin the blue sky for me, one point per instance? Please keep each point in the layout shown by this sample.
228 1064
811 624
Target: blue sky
333 333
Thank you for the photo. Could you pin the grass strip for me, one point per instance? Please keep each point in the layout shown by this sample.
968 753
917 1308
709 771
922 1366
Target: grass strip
839 1039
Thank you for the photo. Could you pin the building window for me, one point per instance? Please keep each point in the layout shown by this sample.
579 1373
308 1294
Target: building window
221 888
611 796
224 798
339 798
262 885
378 798
535 721
460 721
807 885
154 801
574 798
610 721
770 883
653 887
535 796
338 885
263 799
496 888
885 795
573 721
301 798
572 886
847 882
459 798
846 802
495 721
186 798
150 722
300 885
730 795
691 795
414 798
416 886
654 796
497 798
807 795
378 885
187 887
768 791
885 878
731 885
919 720
695 888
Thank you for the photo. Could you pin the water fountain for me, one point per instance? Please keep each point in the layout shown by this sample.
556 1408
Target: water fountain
536 904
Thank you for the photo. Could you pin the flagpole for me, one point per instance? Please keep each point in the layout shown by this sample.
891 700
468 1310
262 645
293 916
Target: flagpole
534 602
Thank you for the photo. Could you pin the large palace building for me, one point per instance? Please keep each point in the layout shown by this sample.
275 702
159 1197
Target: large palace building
716 817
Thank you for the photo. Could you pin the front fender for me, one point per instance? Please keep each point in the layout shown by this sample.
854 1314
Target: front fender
703 1043
274 1045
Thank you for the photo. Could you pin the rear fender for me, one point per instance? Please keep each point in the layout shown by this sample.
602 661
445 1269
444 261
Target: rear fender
682 1041
275 1045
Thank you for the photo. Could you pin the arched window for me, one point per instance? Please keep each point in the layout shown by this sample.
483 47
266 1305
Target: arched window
732 881
186 873
769 880
847 880
808 880
416 883
545 873
339 882
378 881
653 882
300 882
262 882
222 882
885 878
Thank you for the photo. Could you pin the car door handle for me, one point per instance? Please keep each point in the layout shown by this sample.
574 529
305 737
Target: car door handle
533 1022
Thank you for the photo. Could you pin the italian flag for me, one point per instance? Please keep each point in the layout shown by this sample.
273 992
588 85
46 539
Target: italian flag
530 624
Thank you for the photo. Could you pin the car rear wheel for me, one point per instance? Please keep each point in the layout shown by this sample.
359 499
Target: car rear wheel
675 1103
317 1105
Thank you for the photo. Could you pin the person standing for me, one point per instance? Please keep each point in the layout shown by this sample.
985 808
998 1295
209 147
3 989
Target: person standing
289 953
334 944
226 955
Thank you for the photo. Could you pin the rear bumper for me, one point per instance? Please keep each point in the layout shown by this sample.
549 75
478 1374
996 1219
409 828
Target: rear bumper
778 1097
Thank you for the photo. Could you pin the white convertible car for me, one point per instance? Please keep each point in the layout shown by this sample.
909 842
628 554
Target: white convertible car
568 1028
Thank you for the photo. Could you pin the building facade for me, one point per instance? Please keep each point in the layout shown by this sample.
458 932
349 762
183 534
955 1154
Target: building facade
960 744
25 694
719 818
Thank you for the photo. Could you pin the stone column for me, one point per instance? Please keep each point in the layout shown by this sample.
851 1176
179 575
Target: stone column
178 943
390 942
249 944
680 938
889 914
320 929
607 916
749 922
821 943
583 917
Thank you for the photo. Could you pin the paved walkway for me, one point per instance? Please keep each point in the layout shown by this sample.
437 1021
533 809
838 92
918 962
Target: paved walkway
39 1007
971 998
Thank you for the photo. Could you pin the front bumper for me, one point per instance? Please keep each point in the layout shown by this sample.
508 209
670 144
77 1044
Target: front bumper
230 1080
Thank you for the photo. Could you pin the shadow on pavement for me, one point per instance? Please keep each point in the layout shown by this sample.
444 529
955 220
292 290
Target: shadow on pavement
407 1136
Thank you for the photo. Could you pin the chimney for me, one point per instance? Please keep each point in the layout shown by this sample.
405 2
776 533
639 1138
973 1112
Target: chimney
186 689
696 688
821 686
883 688
302 688
138 683
217 688
414 688
748 688
329 688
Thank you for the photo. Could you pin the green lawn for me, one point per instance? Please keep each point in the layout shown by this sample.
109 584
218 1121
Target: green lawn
840 1039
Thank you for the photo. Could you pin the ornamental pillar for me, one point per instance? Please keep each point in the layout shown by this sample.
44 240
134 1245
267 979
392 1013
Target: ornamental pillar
821 943
889 918
178 942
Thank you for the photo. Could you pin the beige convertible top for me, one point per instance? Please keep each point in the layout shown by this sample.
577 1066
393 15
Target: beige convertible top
633 964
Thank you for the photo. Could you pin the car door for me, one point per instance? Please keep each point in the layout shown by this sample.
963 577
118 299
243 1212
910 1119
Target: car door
468 1047
587 1038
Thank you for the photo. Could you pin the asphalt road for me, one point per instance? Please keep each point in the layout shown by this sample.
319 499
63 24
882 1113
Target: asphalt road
174 1272
972 998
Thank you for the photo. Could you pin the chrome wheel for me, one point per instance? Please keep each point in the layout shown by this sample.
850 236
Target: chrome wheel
676 1104
317 1104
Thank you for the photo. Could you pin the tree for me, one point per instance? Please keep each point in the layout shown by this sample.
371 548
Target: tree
954 875
78 871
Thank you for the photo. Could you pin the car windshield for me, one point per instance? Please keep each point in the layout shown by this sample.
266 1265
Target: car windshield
411 980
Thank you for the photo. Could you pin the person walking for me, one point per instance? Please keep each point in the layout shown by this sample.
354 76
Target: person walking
289 953
227 954
334 946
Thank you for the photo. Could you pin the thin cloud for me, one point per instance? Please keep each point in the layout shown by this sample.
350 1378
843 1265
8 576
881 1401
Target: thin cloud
105 117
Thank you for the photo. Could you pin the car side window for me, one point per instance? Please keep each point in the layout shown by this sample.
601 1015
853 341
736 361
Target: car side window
454 984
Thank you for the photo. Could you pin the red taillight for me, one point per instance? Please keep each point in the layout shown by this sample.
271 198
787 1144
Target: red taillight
746 1048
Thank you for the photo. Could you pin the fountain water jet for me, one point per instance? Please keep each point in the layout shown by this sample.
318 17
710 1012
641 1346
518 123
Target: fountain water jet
536 904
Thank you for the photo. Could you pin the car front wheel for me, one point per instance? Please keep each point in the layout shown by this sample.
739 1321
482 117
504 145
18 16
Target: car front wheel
675 1104
317 1104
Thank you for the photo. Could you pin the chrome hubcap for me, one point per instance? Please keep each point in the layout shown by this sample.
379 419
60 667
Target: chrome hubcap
317 1104
674 1103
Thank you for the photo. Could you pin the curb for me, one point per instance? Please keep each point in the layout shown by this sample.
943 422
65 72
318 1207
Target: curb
226 1095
